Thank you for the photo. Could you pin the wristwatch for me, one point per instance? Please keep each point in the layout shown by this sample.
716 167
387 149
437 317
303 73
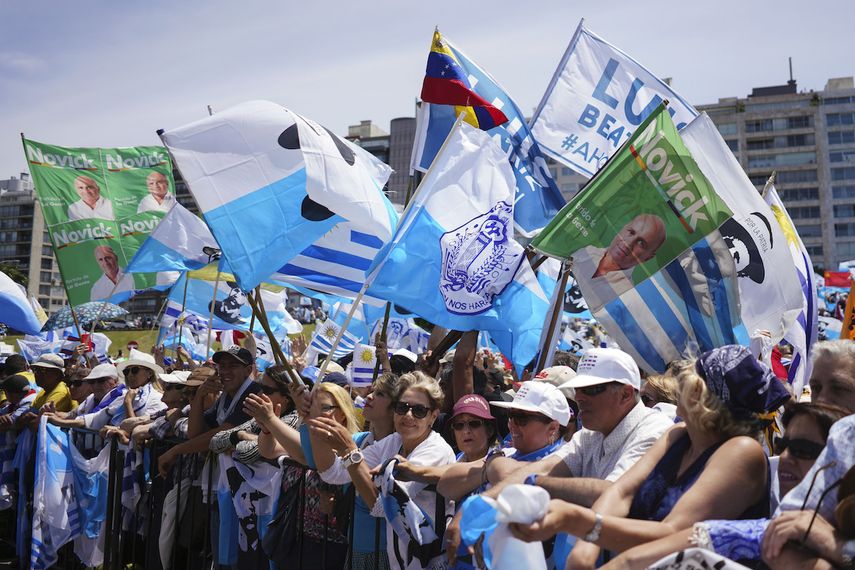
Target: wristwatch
594 534
352 458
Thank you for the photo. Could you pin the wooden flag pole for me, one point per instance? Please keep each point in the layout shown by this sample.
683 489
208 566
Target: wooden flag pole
183 307
557 308
211 314
252 319
382 338
278 355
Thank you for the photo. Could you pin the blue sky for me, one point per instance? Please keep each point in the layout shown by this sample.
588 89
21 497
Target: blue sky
93 73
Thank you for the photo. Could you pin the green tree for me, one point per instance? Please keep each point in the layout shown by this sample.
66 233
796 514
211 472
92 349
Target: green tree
14 273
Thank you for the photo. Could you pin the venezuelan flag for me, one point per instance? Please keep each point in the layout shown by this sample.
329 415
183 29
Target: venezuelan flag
447 83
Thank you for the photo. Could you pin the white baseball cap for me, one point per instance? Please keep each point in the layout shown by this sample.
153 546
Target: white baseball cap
409 355
602 365
540 398
105 370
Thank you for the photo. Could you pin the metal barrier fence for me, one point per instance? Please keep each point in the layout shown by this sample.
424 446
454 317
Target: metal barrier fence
132 537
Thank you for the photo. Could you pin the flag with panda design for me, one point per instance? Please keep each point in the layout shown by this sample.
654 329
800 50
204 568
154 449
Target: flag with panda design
269 183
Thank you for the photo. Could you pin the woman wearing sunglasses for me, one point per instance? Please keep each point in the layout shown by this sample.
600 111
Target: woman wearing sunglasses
806 428
324 539
711 466
416 404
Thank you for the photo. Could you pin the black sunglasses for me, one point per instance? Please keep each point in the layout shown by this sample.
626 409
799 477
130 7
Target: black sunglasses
169 387
522 419
799 448
92 381
647 400
471 424
75 383
132 369
270 390
596 390
419 411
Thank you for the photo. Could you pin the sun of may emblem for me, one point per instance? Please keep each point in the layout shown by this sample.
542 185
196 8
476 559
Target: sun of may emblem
366 356
479 259
329 332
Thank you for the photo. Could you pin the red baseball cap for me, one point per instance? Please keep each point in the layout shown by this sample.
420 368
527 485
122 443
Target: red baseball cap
474 405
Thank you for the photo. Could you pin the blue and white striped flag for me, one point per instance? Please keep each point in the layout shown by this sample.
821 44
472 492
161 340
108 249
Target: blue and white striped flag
803 333
336 263
364 361
324 336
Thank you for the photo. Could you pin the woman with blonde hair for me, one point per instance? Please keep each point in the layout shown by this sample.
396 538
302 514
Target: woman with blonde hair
416 404
709 467
323 543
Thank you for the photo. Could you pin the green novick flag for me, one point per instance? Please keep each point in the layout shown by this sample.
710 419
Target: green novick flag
99 206
649 204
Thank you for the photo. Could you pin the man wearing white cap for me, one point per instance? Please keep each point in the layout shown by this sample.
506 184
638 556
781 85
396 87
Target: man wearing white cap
617 430
104 380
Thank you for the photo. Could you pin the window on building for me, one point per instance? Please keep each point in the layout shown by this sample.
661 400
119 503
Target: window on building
44 289
842 156
845 249
760 144
800 140
841 137
784 159
796 194
47 264
727 129
760 179
44 277
814 250
566 171
838 100
44 301
844 173
758 126
809 230
794 176
834 119
733 144
843 192
844 211
802 212
47 250
799 122
844 229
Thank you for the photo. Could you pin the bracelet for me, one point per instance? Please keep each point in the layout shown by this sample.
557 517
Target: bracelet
531 480
594 534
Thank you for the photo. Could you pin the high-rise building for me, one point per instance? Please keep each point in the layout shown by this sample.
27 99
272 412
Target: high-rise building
24 242
808 138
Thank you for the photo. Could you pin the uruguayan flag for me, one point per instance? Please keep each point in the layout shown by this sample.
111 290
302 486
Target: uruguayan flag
357 327
15 307
176 244
324 337
692 305
336 263
69 494
770 292
536 196
183 336
457 236
802 334
269 183
364 361
597 98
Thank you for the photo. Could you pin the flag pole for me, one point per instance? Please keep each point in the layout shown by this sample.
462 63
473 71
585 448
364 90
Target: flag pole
211 314
278 355
183 307
547 348
252 319
383 339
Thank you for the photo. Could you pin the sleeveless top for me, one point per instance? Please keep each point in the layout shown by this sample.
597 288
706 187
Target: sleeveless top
663 488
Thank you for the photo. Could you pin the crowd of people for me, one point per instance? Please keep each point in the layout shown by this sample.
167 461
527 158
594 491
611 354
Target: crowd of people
716 453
